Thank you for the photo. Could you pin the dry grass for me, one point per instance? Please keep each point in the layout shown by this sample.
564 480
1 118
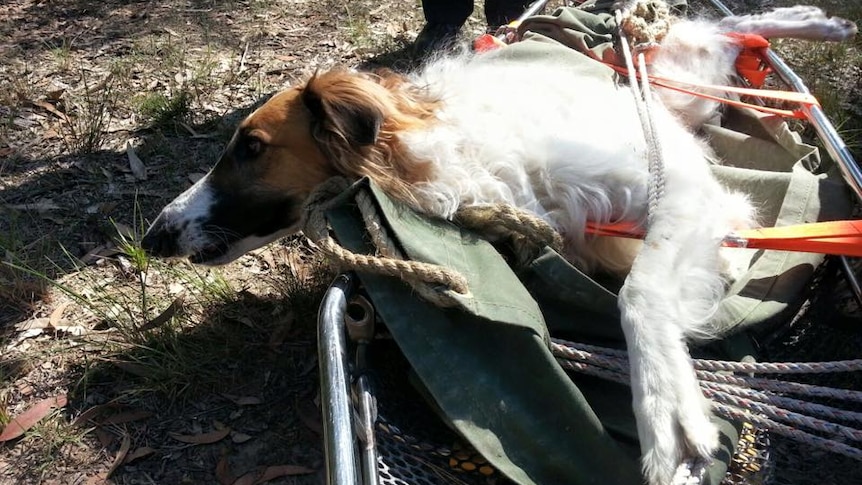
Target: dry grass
146 348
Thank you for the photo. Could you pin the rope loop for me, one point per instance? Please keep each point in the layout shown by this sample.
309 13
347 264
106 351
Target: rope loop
430 281
759 401
528 232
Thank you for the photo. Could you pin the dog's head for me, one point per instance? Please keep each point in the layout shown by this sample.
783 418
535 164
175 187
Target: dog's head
332 125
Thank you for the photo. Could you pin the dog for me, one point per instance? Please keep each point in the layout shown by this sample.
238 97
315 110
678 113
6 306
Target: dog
537 134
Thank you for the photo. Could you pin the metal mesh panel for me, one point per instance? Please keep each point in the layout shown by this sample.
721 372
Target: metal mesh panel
417 448
828 327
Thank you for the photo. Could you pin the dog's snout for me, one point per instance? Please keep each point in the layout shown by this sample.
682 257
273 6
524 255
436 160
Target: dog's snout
161 240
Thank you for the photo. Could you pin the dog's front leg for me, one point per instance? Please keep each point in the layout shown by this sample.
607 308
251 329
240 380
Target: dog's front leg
674 279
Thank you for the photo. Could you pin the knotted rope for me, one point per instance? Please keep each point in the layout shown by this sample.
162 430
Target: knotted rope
643 103
429 280
528 232
746 398
432 282
647 22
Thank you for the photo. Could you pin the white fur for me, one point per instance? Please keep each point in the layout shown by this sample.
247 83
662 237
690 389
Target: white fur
540 135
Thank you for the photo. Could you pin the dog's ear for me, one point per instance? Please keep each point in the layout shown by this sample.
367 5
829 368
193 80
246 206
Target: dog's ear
342 110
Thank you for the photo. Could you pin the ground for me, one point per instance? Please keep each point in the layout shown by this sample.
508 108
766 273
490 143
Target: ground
174 373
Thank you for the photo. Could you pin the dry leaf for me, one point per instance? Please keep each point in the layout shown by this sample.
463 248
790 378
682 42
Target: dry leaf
57 314
239 438
165 316
276 471
202 439
121 455
36 323
43 205
133 368
21 423
91 413
55 95
127 417
105 438
309 415
51 109
249 478
223 474
139 453
103 251
242 400
270 473
139 170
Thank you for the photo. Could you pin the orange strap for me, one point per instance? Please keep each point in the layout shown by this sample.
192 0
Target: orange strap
750 64
751 60
791 96
842 238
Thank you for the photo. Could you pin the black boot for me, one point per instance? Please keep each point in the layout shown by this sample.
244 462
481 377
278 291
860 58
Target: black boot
434 37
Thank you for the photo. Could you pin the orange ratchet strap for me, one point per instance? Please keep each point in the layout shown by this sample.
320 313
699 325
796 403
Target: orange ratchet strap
751 66
791 96
842 238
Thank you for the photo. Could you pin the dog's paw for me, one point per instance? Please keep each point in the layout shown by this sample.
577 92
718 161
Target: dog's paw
673 427
837 29
701 435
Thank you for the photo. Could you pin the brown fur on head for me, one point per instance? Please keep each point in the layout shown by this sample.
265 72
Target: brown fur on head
356 119
338 123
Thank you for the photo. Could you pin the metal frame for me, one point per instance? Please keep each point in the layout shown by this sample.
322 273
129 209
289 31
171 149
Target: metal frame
342 466
835 146
348 404
349 411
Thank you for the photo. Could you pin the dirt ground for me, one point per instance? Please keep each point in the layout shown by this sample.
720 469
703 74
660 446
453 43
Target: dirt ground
148 372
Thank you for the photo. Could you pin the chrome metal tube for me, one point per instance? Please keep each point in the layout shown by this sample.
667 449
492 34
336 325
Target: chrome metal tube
828 135
337 412
367 416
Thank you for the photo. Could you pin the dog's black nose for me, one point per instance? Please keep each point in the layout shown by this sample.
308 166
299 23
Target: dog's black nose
161 241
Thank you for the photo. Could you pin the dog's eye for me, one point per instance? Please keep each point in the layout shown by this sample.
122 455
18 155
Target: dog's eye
249 147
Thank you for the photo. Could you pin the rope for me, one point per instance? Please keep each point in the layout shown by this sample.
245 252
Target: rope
584 351
796 388
648 22
821 410
509 221
655 157
788 431
791 417
780 367
732 397
417 274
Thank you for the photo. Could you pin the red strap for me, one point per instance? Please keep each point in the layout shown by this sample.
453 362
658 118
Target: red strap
750 63
790 96
833 237
487 42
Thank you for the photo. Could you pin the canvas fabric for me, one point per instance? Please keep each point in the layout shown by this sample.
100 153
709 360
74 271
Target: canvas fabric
486 364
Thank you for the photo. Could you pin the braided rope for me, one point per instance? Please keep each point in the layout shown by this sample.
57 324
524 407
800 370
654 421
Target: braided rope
780 367
528 230
648 22
820 410
642 98
415 273
790 417
788 387
731 412
732 393
789 431
592 351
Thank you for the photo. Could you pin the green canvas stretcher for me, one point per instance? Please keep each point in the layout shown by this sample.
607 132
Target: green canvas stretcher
485 364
